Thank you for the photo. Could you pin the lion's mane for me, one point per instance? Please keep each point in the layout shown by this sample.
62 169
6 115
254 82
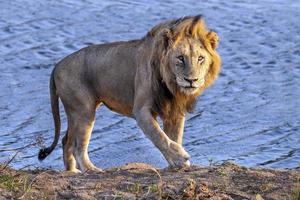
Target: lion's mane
168 98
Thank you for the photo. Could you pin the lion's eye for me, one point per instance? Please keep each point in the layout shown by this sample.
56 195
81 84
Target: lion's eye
201 59
181 59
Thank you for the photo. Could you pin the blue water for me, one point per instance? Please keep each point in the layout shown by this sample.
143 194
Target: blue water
250 116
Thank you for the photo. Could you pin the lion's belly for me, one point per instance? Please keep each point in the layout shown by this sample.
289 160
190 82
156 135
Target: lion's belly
121 108
119 97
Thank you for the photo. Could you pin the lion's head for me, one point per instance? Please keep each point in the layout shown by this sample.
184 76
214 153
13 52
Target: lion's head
189 61
184 56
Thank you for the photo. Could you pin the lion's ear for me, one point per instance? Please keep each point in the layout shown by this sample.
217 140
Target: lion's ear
213 39
166 37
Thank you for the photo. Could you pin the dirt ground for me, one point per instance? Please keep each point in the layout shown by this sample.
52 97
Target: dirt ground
141 181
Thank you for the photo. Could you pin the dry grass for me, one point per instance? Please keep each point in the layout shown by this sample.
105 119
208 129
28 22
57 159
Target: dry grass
140 181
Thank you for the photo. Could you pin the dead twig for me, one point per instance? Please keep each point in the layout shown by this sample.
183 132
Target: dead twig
159 185
17 151
10 160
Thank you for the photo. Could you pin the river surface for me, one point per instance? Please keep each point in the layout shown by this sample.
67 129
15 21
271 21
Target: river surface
250 116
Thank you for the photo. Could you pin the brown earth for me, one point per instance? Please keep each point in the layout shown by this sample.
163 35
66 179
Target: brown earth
141 181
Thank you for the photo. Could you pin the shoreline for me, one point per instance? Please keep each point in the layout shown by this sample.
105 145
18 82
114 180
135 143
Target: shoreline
142 181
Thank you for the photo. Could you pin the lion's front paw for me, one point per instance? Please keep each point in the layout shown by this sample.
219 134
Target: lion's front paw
177 156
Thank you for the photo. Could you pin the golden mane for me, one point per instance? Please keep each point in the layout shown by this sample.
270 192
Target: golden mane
167 35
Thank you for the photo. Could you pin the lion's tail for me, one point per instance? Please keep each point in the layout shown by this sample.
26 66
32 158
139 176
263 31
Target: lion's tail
55 112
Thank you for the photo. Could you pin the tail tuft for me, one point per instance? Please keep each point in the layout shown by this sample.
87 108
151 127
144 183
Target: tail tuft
43 154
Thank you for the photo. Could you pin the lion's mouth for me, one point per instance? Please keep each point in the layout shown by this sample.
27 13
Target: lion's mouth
190 87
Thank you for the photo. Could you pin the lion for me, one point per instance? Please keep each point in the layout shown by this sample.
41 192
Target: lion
160 75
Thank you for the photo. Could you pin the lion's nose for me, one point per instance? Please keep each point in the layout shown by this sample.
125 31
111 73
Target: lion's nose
191 80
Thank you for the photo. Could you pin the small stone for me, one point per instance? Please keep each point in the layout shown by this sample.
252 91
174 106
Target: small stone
258 197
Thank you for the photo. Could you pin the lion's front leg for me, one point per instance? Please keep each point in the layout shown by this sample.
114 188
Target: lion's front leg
173 152
174 128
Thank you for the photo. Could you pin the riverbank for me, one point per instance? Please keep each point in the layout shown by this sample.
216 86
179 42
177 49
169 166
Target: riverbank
141 181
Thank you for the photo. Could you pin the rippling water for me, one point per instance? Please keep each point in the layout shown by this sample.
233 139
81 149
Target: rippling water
250 116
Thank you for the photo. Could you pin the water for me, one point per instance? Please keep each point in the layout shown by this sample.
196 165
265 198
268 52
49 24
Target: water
250 116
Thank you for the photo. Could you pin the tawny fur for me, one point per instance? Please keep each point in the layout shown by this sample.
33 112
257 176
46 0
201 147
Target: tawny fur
141 79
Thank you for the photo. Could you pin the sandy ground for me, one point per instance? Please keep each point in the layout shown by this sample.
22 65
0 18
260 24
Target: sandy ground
141 181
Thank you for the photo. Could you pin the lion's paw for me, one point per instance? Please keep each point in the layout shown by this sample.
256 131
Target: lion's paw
177 156
74 170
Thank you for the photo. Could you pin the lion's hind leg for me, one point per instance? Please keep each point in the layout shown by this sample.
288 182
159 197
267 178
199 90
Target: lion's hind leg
80 127
69 159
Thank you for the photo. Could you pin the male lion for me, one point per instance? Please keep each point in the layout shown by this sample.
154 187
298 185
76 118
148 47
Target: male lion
158 75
